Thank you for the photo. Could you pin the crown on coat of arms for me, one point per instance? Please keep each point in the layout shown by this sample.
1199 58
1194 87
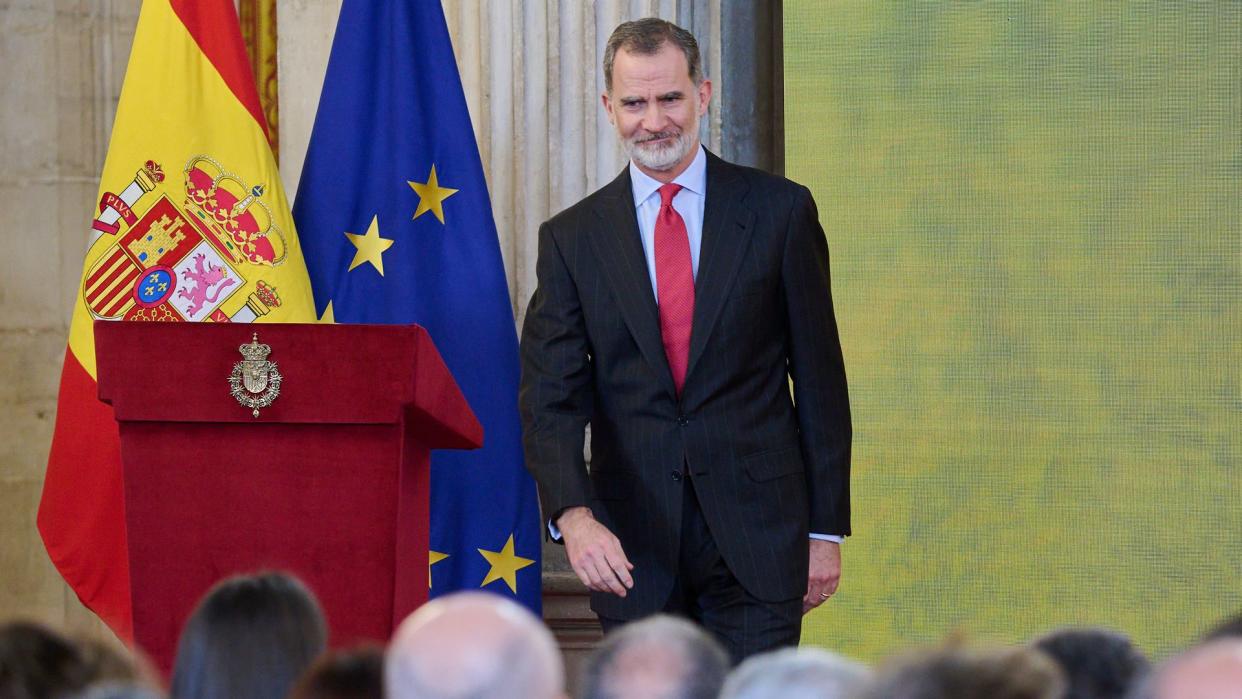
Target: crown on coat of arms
267 294
153 173
253 351
233 212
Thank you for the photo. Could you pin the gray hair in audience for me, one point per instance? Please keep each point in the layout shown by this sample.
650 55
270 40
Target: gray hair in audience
661 657
961 673
796 673
1098 663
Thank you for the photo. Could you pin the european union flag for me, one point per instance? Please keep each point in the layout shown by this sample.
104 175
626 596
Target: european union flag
395 222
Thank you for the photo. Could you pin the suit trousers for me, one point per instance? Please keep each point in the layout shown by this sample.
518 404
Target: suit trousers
706 591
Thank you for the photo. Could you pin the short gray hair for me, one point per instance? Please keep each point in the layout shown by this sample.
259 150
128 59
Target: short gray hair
646 37
796 673
618 667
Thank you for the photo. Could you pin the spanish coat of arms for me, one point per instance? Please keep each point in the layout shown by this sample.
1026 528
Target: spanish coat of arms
200 259
255 382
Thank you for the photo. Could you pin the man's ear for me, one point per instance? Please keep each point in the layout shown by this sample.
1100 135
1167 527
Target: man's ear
705 95
603 98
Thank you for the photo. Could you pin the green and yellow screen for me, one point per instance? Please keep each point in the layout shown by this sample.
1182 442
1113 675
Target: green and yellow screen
1034 212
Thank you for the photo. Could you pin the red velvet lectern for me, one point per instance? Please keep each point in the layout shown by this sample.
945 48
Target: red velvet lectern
329 482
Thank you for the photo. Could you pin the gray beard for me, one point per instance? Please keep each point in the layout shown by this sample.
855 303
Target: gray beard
664 158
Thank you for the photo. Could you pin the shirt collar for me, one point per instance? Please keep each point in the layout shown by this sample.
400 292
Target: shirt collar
693 178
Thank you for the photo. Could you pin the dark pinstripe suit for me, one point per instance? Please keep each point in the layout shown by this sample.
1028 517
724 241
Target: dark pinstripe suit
766 473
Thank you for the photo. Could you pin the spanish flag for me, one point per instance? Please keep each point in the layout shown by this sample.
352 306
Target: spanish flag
192 225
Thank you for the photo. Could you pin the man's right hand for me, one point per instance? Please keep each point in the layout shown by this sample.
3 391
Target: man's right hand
594 552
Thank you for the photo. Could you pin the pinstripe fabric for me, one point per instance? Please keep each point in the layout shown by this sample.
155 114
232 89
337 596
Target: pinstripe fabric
765 473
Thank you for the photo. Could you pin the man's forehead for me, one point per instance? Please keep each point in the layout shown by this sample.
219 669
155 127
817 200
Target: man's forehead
668 64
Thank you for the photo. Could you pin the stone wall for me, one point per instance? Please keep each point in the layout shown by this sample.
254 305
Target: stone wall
64 62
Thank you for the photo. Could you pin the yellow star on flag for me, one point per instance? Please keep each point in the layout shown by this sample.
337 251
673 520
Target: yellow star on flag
370 246
433 557
505 565
329 315
431 195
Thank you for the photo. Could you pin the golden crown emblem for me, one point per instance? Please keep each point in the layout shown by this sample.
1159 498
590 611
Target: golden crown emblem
253 351
232 212
255 382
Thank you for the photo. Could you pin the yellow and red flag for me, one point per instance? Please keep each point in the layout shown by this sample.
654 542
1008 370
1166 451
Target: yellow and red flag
192 225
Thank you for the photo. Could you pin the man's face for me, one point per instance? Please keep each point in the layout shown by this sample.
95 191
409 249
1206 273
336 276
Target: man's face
656 108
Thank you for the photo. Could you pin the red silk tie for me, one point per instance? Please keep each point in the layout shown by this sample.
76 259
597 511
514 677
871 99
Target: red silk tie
674 284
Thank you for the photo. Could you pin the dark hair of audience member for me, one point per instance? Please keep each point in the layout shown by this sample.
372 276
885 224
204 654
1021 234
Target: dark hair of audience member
251 637
1229 628
348 674
1098 663
37 663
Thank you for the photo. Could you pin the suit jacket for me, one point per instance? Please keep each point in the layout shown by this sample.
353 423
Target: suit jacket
766 472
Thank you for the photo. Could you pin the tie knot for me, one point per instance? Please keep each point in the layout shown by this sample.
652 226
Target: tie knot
667 192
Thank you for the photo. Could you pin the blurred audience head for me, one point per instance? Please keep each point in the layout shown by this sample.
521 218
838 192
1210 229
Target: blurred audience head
661 657
350 674
1212 670
36 663
473 644
962 673
796 673
1229 628
109 662
119 690
1097 663
251 637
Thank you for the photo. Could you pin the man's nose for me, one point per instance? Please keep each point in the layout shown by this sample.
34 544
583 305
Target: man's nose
654 118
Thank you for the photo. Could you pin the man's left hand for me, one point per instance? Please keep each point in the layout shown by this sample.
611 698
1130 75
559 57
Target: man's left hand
824 575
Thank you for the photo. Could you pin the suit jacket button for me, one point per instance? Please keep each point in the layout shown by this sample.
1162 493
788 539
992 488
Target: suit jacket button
683 420
677 476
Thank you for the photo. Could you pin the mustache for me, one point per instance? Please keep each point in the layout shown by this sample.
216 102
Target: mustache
657 136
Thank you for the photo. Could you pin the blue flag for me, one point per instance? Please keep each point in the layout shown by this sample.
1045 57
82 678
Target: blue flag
396 225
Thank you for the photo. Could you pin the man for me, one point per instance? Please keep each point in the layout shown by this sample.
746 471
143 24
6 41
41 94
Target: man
674 306
473 644
796 673
661 657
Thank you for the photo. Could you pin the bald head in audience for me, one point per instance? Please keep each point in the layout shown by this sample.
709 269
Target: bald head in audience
660 657
1210 671
473 645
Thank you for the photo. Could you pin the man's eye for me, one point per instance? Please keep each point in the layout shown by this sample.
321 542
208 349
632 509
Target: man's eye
670 100
634 105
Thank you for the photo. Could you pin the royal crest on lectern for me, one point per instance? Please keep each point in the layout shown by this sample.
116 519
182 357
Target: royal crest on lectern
255 382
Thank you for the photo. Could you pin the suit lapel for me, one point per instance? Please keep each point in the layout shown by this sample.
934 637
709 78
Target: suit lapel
620 253
727 226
